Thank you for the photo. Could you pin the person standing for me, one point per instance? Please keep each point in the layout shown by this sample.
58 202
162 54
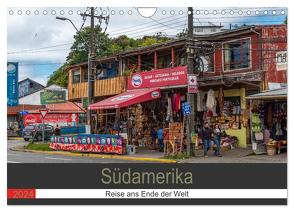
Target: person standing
217 134
153 137
160 138
57 130
206 138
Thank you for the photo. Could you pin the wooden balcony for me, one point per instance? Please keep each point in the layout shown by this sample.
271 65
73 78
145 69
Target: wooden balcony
108 87
77 90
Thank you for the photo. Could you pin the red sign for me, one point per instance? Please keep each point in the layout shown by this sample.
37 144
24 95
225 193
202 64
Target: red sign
62 119
159 78
43 113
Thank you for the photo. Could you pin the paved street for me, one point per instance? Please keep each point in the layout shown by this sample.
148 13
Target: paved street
29 157
232 156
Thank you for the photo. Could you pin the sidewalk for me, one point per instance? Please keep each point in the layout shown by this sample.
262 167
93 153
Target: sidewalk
238 155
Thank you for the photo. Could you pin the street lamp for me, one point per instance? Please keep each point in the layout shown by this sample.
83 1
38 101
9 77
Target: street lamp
67 19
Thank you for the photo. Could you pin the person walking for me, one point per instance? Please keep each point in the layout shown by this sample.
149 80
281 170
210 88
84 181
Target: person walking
217 134
160 138
206 138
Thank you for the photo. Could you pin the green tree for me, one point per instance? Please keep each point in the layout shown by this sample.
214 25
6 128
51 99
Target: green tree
286 20
104 46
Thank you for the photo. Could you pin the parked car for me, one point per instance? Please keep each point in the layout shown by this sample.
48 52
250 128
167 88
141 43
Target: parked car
35 132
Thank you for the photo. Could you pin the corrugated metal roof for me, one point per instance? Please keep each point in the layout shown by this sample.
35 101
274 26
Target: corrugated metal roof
278 93
16 109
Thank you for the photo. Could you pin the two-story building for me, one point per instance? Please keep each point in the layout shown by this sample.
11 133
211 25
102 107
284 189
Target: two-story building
233 64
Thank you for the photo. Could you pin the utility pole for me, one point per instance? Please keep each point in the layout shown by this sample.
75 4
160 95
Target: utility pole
91 60
190 97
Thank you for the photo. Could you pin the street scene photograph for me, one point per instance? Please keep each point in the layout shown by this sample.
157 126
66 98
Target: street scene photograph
147 85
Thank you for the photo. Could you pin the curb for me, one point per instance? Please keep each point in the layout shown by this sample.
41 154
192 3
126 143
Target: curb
120 157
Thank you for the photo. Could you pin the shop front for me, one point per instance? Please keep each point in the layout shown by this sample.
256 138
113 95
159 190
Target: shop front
152 102
227 108
268 120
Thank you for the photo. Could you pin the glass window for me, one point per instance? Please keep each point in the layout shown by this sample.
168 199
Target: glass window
85 73
199 29
76 76
236 55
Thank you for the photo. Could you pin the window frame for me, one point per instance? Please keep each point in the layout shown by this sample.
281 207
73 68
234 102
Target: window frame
73 75
250 55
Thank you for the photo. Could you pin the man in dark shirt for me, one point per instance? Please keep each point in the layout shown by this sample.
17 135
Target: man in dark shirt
206 137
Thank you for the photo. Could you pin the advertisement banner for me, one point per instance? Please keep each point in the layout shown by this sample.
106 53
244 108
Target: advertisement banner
12 84
52 96
159 78
62 119
281 60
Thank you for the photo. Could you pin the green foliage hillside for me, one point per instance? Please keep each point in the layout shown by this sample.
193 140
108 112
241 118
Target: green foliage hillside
104 46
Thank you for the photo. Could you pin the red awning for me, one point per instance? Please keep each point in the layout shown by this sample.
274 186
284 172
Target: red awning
127 98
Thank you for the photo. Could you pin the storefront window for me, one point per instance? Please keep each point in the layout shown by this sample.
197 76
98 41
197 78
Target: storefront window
236 55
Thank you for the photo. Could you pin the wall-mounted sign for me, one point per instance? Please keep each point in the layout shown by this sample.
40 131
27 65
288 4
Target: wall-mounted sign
62 119
12 84
186 108
52 97
192 83
281 60
159 78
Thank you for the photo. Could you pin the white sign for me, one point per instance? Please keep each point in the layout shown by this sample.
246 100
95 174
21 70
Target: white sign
192 84
43 113
281 60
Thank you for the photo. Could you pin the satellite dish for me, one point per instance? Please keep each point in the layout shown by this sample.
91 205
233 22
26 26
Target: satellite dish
201 64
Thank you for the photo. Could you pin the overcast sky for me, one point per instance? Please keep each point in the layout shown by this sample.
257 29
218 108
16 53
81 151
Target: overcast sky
40 43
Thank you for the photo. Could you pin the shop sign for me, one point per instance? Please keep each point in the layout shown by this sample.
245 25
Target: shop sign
12 84
186 108
192 83
281 60
52 96
159 78
62 119
124 97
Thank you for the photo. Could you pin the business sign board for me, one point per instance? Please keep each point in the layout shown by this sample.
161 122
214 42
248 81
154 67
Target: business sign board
281 60
52 97
186 108
12 84
192 83
159 78
62 119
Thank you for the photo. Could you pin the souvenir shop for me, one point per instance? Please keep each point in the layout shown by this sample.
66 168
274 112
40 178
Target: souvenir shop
153 101
268 115
227 108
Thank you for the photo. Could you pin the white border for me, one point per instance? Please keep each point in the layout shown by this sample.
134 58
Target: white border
117 3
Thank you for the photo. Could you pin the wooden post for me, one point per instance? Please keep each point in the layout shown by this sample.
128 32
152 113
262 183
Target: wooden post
173 56
155 60
250 118
139 62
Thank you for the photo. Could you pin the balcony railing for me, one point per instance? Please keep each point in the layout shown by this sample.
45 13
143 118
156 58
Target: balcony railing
108 87
78 90
105 87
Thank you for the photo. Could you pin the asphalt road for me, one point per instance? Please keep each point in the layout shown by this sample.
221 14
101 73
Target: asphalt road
29 157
